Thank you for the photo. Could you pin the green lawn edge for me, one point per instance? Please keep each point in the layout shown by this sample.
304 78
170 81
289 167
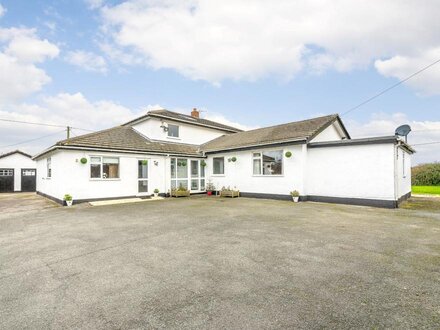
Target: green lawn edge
426 190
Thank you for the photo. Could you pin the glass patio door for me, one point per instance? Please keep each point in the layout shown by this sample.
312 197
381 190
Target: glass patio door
189 174
179 173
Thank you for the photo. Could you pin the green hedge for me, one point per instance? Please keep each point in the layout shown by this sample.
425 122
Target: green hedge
426 175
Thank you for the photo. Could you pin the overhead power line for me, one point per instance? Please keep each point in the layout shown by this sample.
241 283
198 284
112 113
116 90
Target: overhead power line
41 124
426 143
391 87
31 140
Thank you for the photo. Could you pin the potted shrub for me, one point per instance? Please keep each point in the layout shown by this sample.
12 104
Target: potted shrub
295 195
210 188
156 192
68 199
180 192
228 192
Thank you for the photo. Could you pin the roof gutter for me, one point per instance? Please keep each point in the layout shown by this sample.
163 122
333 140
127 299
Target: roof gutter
116 150
251 146
196 123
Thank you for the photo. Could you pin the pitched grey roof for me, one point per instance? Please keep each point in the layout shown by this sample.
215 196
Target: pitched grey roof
15 152
296 131
126 138
166 114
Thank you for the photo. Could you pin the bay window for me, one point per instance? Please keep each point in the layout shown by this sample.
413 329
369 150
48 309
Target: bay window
268 162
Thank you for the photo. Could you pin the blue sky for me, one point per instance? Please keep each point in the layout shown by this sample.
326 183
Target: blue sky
96 63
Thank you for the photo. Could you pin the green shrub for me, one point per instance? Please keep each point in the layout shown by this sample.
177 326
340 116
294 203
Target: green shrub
426 175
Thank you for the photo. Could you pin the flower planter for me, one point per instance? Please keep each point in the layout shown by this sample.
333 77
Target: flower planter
156 194
230 193
69 203
180 193
295 199
209 193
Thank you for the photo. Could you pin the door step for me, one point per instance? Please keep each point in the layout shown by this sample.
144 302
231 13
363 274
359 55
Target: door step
125 201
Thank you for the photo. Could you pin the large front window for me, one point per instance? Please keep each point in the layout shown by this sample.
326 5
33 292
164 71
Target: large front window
190 174
104 167
218 165
268 162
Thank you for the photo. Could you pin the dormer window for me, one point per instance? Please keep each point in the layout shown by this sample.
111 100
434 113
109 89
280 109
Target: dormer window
173 130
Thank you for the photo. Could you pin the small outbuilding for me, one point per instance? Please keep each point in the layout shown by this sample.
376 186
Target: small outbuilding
17 172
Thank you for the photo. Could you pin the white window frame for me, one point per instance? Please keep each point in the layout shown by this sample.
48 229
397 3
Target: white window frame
172 136
144 179
6 172
224 166
260 157
49 167
102 169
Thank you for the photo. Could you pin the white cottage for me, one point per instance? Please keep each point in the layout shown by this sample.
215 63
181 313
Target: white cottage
17 172
163 149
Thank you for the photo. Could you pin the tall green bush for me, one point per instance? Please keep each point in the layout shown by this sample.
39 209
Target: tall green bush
426 175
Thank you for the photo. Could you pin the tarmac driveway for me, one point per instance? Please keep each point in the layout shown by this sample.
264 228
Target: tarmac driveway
23 202
220 263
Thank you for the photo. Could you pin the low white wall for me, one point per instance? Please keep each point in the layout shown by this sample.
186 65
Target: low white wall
69 176
361 171
17 162
240 173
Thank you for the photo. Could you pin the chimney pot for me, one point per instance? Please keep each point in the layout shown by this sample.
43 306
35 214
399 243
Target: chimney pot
195 113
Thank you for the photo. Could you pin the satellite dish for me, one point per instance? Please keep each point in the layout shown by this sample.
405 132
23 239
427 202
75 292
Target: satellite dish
403 131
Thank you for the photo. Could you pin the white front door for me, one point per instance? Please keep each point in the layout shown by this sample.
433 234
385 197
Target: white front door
143 176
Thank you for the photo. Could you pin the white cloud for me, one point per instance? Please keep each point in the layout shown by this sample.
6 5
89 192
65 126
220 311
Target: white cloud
22 50
94 4
62 109
2 10
384 124
223 120
241 40
401 67
87 61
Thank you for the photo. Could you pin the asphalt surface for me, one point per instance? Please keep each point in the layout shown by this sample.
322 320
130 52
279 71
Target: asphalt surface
219 263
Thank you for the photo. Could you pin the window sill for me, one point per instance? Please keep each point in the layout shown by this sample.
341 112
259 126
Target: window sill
173 138
218 175
98 179
268 176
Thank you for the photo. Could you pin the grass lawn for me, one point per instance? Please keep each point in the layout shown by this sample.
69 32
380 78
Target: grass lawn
431 190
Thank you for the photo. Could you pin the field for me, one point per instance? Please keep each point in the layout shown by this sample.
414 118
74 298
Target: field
429 190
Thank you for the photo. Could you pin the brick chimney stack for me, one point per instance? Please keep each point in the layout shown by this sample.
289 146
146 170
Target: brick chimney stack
195 113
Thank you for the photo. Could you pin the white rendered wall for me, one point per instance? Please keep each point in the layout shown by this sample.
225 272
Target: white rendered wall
331 133
361 171
240 173
69 176
403 172
17 162
189 134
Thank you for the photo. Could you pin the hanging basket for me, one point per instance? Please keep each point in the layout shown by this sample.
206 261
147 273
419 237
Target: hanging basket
83 160
144 162
203 163
288 154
